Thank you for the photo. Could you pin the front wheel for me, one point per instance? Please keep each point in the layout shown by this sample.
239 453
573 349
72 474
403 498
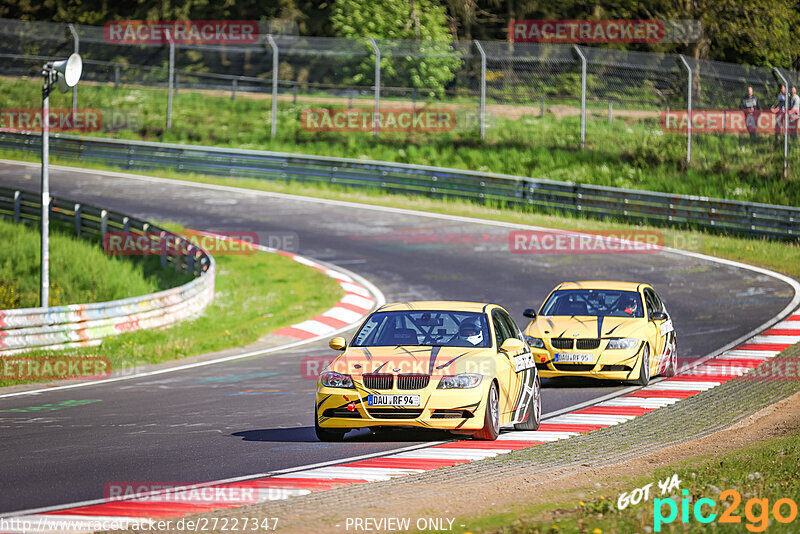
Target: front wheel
491 420
534 415
644 370
324 434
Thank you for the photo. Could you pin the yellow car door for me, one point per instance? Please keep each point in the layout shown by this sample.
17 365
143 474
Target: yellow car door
656 327
506 370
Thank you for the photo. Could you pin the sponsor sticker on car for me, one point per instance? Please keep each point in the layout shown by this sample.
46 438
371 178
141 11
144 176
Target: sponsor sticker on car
393 400
523 361
574 357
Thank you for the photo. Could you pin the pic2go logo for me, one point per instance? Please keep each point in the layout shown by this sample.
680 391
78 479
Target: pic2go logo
756 511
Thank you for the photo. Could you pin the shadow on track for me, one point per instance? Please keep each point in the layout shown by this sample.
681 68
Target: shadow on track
580 382
305 434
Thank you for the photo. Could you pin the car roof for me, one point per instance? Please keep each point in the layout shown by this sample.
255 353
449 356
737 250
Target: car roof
435 305
603 284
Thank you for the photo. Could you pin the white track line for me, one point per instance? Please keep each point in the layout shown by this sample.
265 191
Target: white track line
590 419
355 473
641 402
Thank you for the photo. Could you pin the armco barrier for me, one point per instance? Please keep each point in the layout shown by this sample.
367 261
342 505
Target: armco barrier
752 219
78 325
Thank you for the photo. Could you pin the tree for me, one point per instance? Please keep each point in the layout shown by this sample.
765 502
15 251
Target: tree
428 65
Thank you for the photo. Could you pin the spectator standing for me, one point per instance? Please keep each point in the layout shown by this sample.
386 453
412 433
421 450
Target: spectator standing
794 112
779 110
749 105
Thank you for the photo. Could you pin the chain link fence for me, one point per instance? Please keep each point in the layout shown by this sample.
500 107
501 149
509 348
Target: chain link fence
568 96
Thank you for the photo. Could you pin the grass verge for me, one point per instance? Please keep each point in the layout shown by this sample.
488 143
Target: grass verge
79 270
763 473
783 257
254 295
631 151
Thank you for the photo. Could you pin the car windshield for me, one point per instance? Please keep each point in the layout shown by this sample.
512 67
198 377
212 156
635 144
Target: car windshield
597 302
421 327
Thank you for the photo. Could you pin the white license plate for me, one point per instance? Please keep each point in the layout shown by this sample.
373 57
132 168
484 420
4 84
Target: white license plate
393 400
574 357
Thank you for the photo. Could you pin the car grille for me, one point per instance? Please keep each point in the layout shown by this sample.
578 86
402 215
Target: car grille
561 342
574 367
616 368
378 381
412 381
587 343
340 412
542 366
394 413
451 414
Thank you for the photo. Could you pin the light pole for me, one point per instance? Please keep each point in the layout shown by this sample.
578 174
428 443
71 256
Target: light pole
66 73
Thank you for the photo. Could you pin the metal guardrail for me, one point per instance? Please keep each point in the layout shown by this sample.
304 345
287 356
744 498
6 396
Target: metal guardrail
80 325
630 205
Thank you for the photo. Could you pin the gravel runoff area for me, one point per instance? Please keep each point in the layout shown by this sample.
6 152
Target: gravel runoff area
455 491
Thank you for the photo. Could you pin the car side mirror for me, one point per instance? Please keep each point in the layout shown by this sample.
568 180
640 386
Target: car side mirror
338 343
658 316
512 344
529 312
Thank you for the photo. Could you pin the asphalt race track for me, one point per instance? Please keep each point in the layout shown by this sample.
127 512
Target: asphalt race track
256 415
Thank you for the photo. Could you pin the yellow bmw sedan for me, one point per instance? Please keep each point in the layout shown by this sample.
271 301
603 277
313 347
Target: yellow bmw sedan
457 366
610 330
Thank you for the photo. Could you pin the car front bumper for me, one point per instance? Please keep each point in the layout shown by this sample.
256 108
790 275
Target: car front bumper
606 364
443 409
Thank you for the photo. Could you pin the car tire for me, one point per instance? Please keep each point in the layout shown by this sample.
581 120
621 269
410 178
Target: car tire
644 369
324 434
491 419
534 415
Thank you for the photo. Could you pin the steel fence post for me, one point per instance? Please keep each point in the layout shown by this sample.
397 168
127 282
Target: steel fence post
17 206
275 59
170 81
44 261
235 85
785 124
483 89
376 116
190 253
688 110
162 241
76 47
103 224
583 94
77 209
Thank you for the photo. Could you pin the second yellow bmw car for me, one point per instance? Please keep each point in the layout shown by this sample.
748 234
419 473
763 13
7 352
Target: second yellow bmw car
611 330
457 366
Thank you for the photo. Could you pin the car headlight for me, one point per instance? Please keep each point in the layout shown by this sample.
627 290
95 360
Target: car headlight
462 381
336 380
535 342
623 343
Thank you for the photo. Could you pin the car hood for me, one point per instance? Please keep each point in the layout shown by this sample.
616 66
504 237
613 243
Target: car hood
584 326
414 360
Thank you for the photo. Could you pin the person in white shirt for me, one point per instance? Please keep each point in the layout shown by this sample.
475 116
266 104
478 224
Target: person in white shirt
794 112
